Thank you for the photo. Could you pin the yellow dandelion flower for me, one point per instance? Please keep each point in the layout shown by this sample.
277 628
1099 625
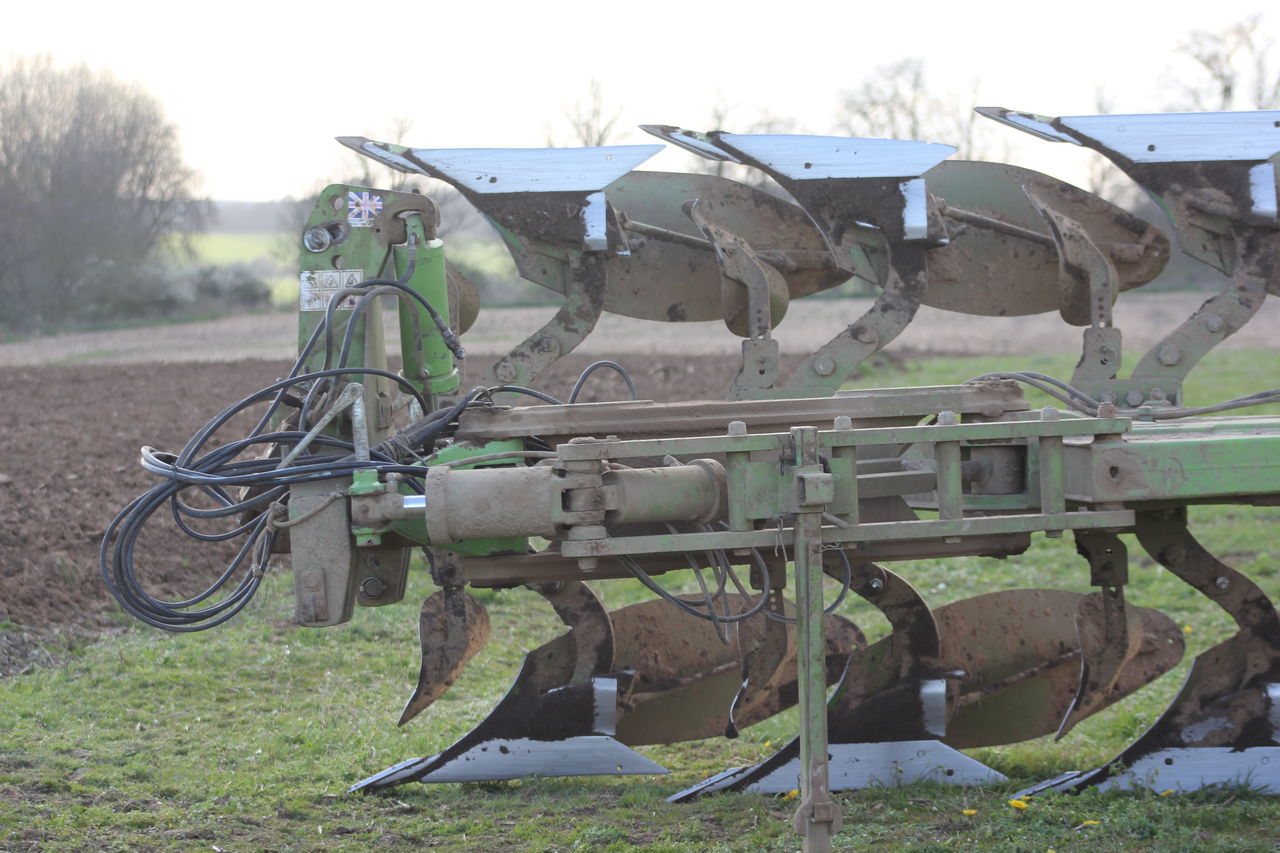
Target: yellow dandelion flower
768 744
1186 629
791 795
968 812
1018 804
1166 792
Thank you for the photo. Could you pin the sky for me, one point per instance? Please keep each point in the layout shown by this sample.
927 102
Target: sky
258 90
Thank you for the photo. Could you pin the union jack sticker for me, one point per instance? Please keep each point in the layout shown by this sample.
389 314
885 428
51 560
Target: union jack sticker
362 208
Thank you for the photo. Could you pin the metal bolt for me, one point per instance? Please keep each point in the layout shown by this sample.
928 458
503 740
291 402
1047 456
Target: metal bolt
372 587
824 365
843 422
866 334
506 372
317 239
1221 582
1175 554
1169 355
1134 397
544 343
1106 409
1214 323
1108 355
876 584
1048 413
737 428
948 418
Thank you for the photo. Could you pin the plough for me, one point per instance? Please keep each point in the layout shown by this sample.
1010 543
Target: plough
786 481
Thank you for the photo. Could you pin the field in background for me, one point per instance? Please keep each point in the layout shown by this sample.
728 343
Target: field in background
264 253
245 737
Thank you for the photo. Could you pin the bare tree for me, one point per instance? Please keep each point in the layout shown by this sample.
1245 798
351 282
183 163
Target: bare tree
590 122
1105 178
92 183
1235 68
895 102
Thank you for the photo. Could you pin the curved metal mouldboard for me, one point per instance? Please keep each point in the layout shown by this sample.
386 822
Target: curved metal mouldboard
996 272
672 279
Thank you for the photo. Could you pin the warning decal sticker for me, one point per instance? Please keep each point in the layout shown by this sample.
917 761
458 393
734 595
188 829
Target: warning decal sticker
317 287
362 207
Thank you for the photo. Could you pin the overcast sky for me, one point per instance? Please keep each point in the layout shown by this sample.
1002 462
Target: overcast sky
259 89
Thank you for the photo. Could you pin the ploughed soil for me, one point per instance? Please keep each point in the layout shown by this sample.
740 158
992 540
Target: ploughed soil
69 442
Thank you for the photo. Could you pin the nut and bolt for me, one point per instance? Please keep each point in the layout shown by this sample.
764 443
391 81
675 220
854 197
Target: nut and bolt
1221 582
372 587
1106 410
824 365
737 428
876 584
948 418
866 334
1169 355
1214 323
1134 397
506 372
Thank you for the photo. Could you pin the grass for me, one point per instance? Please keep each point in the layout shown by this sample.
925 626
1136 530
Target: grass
219 248
245 738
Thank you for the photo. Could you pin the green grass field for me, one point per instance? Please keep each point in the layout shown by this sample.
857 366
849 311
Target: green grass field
262 250
245 737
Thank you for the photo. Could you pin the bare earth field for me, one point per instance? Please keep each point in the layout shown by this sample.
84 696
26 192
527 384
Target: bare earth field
76 408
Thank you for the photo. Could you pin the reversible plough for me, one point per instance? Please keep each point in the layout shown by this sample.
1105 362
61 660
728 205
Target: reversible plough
786 481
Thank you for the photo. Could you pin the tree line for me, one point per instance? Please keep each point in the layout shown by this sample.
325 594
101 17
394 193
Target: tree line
96 199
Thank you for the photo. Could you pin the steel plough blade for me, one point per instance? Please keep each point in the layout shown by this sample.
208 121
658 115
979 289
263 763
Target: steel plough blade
1020 654
1014 663
684 680
453 626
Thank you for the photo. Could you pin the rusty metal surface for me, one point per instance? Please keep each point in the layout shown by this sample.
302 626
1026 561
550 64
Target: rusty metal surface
464 300
684 679
1020 657
1108 628
1226 699
679 281
881 697
453 626
591 631
995 273
753 294
1087 280
584 300
1110 635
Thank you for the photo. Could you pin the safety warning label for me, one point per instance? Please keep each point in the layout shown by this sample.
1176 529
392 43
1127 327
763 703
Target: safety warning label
317 287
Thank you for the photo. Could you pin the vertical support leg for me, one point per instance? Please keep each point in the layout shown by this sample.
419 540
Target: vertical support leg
818 817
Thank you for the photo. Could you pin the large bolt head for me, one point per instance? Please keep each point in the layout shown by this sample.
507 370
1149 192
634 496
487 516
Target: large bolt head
317 239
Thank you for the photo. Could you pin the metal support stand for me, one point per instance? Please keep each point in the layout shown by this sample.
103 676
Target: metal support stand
818 817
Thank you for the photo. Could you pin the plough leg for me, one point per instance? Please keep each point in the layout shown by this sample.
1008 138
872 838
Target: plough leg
1223 727
557 719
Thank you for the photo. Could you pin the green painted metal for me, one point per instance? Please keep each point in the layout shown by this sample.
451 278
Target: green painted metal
817 818
428 361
